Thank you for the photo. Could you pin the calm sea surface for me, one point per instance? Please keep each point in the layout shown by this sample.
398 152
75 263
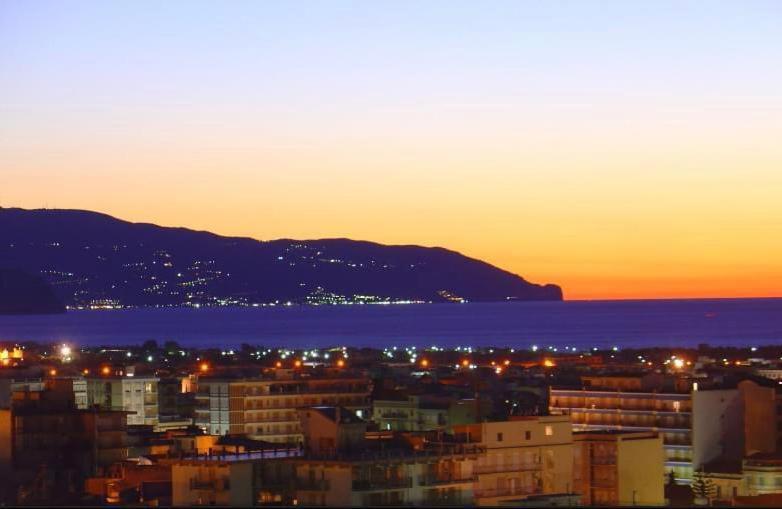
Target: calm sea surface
578 323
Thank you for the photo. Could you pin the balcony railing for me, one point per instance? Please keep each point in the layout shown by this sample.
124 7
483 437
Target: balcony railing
449 501
440 479
507 492
382 484
399 455
498 469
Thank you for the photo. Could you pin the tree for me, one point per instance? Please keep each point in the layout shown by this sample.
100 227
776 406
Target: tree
149 346
703 488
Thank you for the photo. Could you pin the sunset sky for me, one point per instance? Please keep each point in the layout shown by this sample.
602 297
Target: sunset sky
620 149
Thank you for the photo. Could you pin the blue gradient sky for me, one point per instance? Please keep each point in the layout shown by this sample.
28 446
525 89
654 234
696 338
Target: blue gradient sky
621 149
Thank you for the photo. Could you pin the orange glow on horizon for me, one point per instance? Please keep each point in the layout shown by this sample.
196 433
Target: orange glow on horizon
584 166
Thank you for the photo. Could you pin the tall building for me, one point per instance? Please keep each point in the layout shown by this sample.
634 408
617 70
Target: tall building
698 424
524 457
265 409
49 446
137 395
619 468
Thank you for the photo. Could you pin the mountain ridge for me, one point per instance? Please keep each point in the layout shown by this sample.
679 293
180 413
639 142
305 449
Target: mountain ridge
91 257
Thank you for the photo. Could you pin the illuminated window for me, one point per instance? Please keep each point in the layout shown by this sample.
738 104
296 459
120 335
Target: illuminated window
549 431
677 405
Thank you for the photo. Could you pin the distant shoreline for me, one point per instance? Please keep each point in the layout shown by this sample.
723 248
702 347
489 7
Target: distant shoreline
410 303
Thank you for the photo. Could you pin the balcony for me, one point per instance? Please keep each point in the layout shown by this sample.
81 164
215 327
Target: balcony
500 469
395 415
382 484
456 500
511 491
443 479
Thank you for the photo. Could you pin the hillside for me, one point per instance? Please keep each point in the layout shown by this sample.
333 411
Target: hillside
95 259
23 293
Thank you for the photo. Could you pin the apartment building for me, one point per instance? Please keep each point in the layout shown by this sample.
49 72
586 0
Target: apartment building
619 468
265 408
221 483
344 466
47 443
697 424
425 413
137 395
524 457
263 477
758 475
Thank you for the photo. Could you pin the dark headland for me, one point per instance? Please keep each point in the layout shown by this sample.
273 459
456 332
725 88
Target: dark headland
23 293
92 259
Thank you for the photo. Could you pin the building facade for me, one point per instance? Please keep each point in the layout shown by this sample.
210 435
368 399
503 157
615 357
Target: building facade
615 468
137 395
524 457
697 426
265 409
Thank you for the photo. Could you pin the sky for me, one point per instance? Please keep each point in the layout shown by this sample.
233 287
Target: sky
619 149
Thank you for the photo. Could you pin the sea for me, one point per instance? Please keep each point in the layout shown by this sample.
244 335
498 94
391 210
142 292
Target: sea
580 324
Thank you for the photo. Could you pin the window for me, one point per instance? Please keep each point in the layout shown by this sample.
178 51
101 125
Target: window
527 435
549 431
499 437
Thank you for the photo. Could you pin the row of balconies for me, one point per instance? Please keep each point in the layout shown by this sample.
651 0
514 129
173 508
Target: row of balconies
674 406
649 421
339 399
440 479
386 484
248 420
510 491
512 467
